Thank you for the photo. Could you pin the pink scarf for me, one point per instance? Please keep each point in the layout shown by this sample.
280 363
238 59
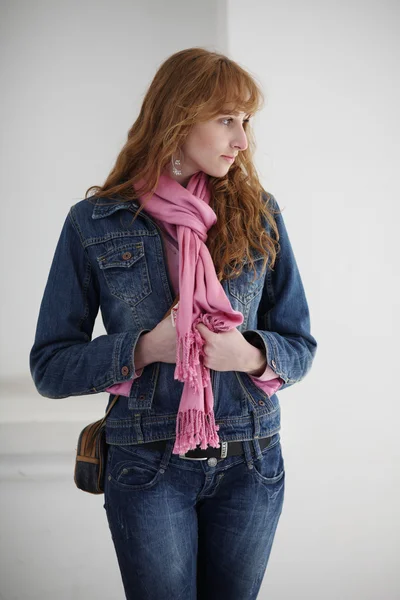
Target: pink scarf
187 216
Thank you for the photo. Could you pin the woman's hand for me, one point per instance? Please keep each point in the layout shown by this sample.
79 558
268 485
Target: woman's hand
229 351
163 341
225 351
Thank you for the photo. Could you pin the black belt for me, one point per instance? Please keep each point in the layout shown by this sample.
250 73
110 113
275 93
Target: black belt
226 449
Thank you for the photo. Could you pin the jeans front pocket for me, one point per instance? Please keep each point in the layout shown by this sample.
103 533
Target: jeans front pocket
270 467
133 468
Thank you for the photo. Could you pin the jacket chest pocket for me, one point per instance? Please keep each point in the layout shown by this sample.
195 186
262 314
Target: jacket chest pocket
243 288
126 273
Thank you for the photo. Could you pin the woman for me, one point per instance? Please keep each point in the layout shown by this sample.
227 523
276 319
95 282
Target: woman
189 260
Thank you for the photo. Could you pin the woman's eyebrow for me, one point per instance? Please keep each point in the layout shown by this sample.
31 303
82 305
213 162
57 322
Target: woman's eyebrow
233 112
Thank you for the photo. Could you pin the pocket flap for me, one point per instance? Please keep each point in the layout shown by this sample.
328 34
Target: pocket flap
124 256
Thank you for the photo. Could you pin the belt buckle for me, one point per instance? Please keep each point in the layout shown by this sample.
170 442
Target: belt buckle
193 457
224 452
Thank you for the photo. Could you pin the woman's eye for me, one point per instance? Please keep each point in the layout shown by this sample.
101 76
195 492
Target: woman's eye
230 119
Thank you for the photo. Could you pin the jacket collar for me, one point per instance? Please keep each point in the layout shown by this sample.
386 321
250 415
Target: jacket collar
103 209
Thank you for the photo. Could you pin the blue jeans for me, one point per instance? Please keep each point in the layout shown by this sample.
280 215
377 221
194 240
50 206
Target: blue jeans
188 530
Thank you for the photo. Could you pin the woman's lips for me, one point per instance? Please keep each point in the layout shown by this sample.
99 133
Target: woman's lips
228 158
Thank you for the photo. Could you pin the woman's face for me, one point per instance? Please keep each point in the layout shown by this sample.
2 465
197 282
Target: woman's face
206 145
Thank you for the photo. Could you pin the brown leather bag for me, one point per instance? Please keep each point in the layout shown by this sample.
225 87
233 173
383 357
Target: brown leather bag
91 456
91 452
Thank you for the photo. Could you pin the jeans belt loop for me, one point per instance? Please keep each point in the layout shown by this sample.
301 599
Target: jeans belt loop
224 449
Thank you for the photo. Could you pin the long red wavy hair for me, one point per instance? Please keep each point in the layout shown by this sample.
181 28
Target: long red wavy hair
195 85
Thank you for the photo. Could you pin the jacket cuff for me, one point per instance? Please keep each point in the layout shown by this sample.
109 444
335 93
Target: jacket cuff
124 366
264 341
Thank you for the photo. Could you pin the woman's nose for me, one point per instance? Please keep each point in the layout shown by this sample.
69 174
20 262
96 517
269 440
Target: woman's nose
240 142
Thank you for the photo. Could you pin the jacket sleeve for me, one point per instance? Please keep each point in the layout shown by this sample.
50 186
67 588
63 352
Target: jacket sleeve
283 319
64 360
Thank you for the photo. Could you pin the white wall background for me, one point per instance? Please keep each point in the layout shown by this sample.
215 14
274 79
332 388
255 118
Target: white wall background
74 75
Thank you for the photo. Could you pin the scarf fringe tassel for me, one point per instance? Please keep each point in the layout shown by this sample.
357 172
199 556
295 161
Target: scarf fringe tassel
194 427
191 346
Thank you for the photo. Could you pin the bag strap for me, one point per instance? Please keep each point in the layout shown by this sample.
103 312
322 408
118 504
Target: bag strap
108 409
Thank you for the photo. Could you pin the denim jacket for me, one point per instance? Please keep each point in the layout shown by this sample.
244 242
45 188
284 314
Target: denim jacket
103 260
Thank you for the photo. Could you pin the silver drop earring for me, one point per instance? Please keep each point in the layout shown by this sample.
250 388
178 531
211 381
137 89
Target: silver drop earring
176 164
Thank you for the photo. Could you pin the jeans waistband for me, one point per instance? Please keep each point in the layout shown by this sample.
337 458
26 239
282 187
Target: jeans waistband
226 449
